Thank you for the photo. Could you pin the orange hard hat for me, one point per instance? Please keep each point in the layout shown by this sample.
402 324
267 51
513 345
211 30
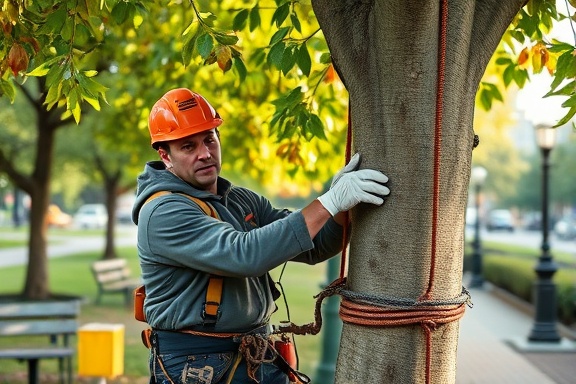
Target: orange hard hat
180 113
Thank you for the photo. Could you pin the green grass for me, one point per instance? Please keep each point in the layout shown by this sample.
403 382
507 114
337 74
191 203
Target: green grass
528 252
71 275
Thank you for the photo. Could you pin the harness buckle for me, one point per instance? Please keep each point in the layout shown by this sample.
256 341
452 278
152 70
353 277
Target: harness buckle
210 312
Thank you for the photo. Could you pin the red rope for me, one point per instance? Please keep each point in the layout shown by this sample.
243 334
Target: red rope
346 214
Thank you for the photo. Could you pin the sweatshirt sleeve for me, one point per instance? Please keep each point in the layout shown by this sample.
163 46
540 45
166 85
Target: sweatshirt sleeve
327 243
178 233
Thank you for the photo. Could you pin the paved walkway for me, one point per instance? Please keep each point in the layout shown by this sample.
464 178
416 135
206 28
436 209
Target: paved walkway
493 340
65 245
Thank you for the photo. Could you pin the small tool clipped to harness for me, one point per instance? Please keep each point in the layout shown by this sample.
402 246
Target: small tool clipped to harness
285 348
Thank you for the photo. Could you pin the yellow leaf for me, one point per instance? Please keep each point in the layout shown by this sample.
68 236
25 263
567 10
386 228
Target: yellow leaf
90 73
93 102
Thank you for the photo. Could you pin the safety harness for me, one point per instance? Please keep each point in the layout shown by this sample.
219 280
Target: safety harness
253 345
215 282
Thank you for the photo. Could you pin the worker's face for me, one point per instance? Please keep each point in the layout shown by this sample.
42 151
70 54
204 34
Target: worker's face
195 159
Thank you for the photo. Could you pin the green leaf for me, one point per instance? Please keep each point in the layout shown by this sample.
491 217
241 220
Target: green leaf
189 36
204 45
226 39
53 95
254 18
275 54
508 75
504 61
567 118
240 20
520 77
303 59
570 103
120 12
315 126
326 58
566 90
6 88
208 18
485 100
240 68
67 30
54 21
296 22
279 35
288 60
56 74
281 14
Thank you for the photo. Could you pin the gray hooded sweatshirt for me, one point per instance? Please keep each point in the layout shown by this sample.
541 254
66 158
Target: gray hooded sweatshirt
179 246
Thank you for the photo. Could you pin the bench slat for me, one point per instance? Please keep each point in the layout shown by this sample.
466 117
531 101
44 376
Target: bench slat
36 353
120 274
38 327
105 265
40 309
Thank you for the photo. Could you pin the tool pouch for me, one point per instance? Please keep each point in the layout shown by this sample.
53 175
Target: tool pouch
139 296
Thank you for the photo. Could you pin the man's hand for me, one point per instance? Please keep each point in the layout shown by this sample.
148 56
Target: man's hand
351 187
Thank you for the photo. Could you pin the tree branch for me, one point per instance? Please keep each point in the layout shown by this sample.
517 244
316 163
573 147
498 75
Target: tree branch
18 179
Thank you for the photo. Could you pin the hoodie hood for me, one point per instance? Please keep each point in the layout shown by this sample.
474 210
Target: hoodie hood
156 178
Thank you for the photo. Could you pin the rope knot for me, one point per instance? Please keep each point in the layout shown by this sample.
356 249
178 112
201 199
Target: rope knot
253 348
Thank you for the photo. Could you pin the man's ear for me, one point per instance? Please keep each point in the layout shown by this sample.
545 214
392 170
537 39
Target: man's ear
165 157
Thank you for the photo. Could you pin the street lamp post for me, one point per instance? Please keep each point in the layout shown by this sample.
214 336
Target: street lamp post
331 329
544 328
477 177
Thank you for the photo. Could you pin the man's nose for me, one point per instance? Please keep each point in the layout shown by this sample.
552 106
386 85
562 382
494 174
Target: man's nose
204 152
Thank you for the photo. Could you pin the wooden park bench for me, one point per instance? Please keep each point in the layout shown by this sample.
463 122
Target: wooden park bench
33 331
114 276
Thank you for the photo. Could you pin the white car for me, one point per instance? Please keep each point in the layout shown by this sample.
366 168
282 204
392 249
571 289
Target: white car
91 216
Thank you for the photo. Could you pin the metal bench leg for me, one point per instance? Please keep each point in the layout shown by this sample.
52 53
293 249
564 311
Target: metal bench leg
33 371
70 381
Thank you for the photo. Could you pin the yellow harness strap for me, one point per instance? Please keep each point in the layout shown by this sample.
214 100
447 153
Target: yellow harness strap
214 291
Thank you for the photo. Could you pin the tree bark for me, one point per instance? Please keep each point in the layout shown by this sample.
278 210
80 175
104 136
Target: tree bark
112 188
386 53
37 186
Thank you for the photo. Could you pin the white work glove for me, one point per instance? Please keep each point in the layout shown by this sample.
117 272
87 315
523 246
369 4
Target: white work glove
351 187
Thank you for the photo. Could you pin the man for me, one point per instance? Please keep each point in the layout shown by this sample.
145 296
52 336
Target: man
182 247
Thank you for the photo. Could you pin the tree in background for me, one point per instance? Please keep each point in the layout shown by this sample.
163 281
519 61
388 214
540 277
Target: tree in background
412 70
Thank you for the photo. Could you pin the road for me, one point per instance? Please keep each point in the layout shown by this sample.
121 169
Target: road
61 245
126 235
527 239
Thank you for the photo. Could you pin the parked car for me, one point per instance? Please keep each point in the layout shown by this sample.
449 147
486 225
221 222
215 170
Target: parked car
56 218
565 228
500 220
91 216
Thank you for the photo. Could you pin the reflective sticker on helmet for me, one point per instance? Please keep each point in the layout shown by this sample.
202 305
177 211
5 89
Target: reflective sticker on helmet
187 104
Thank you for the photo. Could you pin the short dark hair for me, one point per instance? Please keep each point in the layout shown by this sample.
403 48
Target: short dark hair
164 144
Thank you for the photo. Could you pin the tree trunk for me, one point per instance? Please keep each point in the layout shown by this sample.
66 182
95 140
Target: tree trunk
386 53
37 282
111 203
112 189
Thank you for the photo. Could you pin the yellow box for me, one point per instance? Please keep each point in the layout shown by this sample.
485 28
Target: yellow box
101 350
